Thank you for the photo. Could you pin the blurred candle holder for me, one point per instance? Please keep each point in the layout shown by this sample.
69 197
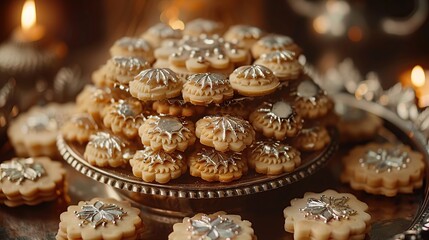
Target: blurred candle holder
416 78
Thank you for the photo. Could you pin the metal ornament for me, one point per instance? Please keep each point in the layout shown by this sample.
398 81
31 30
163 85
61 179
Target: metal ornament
152 157
275 41
169 126
385 159
272 148
99 213
228 123
107 141
213 229
20 169
208 79
254 72
216 159
133 44
328 208
278 56
131 63
279 112
158 76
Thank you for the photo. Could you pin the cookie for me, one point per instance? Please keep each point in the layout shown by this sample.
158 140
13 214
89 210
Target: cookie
177 107
383 169
107 150
99 78
156 84
133 47
225 133
158 166
34 133
219 225
312 138
206 88
238 107
276 120
100 218
212 165
167 133
78 128
327 215
272 43
243 35
273 157
253 80
283 63
124 117
159 33
93 100
310 100
199 26
122 70
30 181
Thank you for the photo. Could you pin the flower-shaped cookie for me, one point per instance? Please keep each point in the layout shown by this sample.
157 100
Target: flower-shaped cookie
212 165
122 70
283 63
158 166
206 88
313 138
384 169
30 181
274 42
34 133
218 226
243 35
100 218
93 100
199 26
177 107
278 120
225 132
167 133
79 127
310 100
159 33
133 47
253 80
273 157
105 149
124 117
327 215
156 84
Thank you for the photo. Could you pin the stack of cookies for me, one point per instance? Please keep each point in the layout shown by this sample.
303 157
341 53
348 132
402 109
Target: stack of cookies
173 100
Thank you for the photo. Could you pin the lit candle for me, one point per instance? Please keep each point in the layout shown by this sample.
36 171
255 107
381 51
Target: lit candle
420 85
29 31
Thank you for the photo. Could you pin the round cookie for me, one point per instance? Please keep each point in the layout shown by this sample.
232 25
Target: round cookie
272 43
276 120
159 33
212 165
78 128
206 88
310 100
243 35
133 47
273 157
199 26
219 225
167 133
225 133
253 80
157 166
313 138
177 107
156 84
122 70
327 215
383 169
284 64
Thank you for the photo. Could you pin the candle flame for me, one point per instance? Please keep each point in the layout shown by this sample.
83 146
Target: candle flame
28 16
418 78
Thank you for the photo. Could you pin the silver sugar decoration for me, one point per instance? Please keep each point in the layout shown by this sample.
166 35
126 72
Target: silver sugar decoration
131 63
279 112
125 109
208 79
247 32
99 213
309 91
272 148
383 159
228 123
21 169
216 159
278 56
158 76
133 44
107 141
213 229
147 155
253 72
169 126
84 120
275 41
328 208
41 122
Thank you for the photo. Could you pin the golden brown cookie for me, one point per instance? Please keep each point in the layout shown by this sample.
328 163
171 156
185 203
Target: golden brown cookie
79 127
93 100
327 215
273 157
30 181
310 100
158 166
133 47
177 107
383 169
272 43
212 165
99 78
225 133
243 35
219 225
239 107
276 120
159 33
122 70
124 117
107 150
206 88
199 26
100 218
312 138
156 84
253 80
283 63
167 133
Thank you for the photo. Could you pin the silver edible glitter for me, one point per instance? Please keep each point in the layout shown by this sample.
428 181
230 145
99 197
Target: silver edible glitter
158 76
107 141
253 72
152 157
20 169
99 213
208 79
383 159
228 123
213 229
328 208
216 159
